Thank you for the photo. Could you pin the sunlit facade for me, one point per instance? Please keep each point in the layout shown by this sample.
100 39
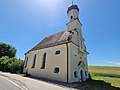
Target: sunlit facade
62 56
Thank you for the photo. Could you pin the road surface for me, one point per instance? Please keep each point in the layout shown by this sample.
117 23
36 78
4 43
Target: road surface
5 84
26 83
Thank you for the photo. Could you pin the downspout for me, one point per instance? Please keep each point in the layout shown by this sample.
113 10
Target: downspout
67 63
69 40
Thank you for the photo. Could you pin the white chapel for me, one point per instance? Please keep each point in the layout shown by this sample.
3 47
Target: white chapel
62 56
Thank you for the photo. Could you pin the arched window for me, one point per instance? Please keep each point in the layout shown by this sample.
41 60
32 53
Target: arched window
79 63
34 61
71 17
85 73
75 74
44 61
26 61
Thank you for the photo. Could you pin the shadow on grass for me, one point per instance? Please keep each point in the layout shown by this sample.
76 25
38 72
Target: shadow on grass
96 85
105 75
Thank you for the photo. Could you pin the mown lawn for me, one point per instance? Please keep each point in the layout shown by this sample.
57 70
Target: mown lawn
102 78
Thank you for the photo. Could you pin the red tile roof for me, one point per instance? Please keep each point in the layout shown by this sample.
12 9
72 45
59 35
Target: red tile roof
53 40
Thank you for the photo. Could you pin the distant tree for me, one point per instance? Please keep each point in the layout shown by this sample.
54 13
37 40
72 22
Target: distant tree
7 50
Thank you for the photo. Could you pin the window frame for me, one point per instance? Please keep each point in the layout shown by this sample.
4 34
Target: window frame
44 61
75 74
71 17
79 63
86 74
34 61
26 61
58 51
56 71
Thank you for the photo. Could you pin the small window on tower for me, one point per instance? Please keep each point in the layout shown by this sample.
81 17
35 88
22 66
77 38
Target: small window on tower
71 17
79 63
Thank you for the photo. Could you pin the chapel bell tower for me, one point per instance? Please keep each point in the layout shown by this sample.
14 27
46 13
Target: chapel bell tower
73 12
73 15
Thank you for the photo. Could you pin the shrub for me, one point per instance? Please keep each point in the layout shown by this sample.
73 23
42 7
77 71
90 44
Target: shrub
17 66
12 65
5 58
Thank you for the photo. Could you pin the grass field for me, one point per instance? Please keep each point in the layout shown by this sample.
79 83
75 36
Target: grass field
105 71
103 78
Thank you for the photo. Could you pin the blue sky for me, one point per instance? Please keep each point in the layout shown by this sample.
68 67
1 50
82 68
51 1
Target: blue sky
24 23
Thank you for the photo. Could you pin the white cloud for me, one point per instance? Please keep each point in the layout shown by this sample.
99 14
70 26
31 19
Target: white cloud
113 63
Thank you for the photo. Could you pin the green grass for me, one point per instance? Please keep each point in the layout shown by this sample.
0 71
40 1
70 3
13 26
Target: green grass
96 85
103 78
105 71
22 75
115 82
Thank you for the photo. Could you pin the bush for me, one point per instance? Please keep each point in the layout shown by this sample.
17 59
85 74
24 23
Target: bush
17 66
12 65
5 58
8 64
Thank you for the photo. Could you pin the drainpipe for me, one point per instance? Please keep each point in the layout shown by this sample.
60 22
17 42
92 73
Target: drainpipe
67 63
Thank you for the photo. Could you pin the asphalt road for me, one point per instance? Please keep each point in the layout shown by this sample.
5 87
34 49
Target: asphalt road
7 85
27 83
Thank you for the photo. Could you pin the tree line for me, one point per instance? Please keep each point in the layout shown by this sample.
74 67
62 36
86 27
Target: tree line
8 61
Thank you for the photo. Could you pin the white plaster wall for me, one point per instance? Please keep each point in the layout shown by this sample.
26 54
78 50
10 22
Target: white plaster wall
73 60
73 13
73 64
73 25
52 61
